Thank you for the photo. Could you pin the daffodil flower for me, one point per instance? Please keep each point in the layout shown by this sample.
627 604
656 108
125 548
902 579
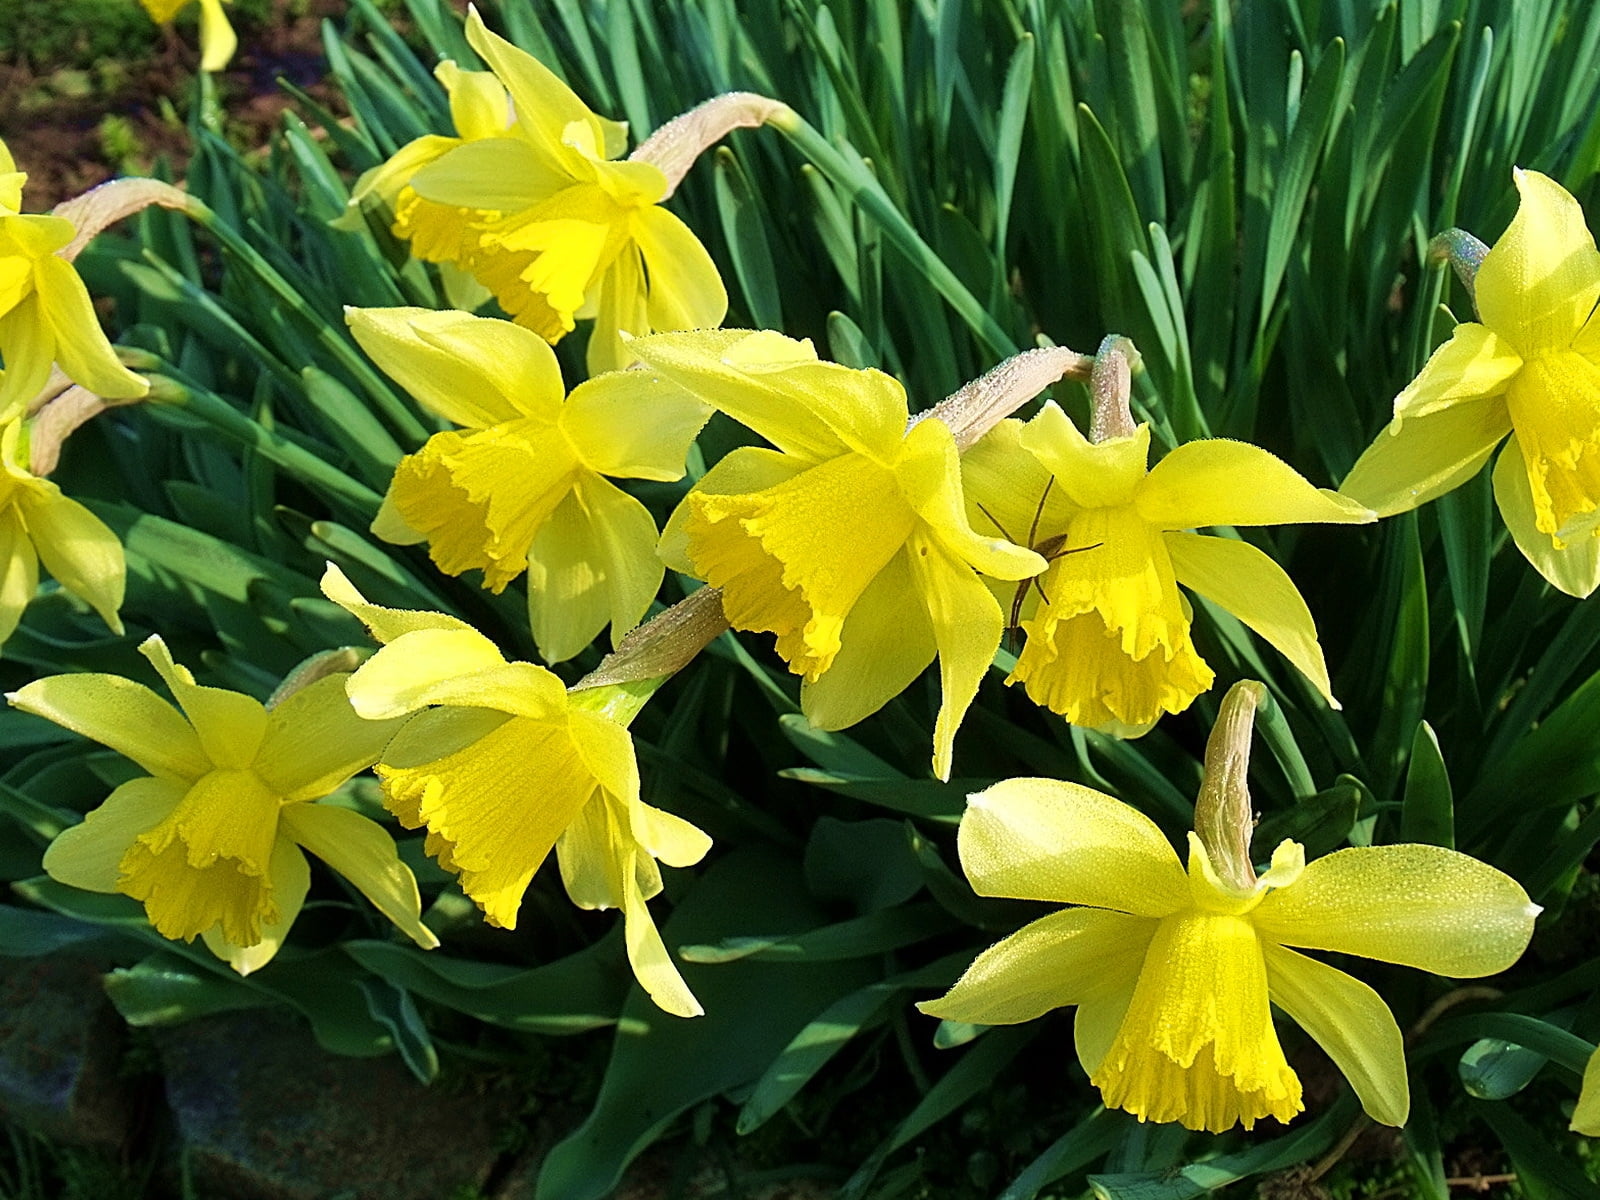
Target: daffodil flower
1173 973
38 523
504 766
211 840
1530 367
1586 1116
524 485
217 39
45 313
849 540
1108 632
532 202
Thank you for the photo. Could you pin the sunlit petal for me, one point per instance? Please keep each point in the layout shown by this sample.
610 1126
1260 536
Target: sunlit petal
1421 458
1420 906
1574 567
1351 1023
1220 482
88 855
1041 839
363 853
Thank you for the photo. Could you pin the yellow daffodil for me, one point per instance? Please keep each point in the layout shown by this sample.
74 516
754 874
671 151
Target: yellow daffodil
38 523
45 313
524 485
505 765
849 540
1173 972
530 200
1530 367
1108 632
211 840
217 39
1586 1116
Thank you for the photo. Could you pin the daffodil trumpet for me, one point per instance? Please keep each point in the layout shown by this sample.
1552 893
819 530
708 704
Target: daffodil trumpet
211 839
530 200
503 766
1107 641
1528 367
848 538
1174 973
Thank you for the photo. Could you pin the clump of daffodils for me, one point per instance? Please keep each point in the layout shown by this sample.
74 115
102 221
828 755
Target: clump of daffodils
1174 972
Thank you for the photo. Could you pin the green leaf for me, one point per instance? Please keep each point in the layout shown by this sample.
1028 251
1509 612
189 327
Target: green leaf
662 1065
1428 811
570 995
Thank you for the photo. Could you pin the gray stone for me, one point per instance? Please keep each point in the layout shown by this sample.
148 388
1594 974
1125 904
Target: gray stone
263 1113
61 1051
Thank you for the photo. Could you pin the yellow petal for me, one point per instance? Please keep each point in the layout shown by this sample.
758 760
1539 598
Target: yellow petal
967 625
777 387
479 105
450 666
621 302
20 581
498 174
1421 458
1351 1023
124 715
363 853
28 347
1554 404
668 837
208 862
217 41
686 291
1042 839
88 855
1112 645
793 559
745 469
1091 475
473 371
291 879
1586 1116
557 251
1245 582
1573 567
315 741
1420 906
567 593
623 544
1475 364
887 641
495 807
385 182
652 964
606 749
633 425
230 725
1197 1044
544 106
82 348
385 624
77 548
1220 482
1008 491
1057 960
1537 286
929 473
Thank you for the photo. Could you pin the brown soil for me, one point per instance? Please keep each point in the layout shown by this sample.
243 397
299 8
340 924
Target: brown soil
52 122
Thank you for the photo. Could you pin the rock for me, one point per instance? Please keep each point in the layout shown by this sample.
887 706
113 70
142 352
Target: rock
263 1113
60 1052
